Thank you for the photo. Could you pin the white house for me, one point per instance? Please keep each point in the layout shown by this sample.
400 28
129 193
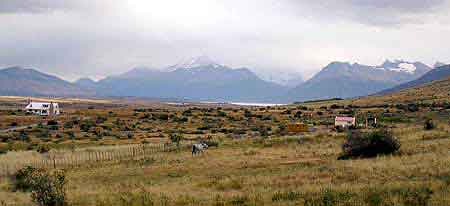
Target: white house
344 122
43 108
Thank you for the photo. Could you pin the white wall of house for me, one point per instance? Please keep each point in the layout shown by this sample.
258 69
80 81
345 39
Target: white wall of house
43 108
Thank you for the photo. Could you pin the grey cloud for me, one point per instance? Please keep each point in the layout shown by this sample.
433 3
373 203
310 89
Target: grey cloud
373 12
399 5
42 6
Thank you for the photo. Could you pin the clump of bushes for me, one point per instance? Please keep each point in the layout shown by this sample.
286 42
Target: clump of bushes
429 124
369 144
52 123
86 125
47 188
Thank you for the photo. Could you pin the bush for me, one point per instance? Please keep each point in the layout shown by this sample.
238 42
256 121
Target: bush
429 124
86 125
211 143
176 138
23 179
369 144
43 149
23 136
286 196
68 125
53 127
52 122
47 189
101 119
43 134
3 151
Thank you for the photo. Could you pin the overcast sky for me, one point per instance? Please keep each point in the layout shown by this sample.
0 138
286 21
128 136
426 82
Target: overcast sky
97 38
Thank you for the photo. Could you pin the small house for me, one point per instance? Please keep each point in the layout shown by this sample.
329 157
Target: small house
43 108
344 122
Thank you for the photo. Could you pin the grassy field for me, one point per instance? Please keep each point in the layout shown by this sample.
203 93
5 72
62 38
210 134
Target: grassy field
257 162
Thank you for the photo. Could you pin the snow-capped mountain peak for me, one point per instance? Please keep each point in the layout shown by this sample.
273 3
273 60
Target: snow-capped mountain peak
439 64
201 61
398 66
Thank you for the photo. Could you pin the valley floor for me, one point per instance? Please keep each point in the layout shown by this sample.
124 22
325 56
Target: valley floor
276 170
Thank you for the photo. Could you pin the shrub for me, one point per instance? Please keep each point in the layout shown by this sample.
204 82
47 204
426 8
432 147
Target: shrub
328 197
43 134
23 179
86 125
413 108
211 143
23 136
248 114
53 127
101 119
47 189
68 125
429 124
415 196
286 196
176 138
239 200
52 122
43 149
369 144
71 134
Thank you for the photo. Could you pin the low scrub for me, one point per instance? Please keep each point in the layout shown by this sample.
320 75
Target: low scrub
286 196
429 124
47 188
369 144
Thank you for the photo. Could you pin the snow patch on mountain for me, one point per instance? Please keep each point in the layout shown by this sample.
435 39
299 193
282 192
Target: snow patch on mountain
201 61
397 66
405 67
284 78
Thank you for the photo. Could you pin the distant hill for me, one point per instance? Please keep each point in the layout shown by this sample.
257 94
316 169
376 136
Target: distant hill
86 83
433 75
197 79
345 80
435 91
18 81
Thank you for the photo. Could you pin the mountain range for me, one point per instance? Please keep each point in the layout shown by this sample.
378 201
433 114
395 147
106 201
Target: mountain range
197 79
17 81
203 79
345 80
434 75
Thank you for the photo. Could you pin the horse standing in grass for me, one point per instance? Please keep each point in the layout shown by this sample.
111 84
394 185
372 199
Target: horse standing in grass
199 148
